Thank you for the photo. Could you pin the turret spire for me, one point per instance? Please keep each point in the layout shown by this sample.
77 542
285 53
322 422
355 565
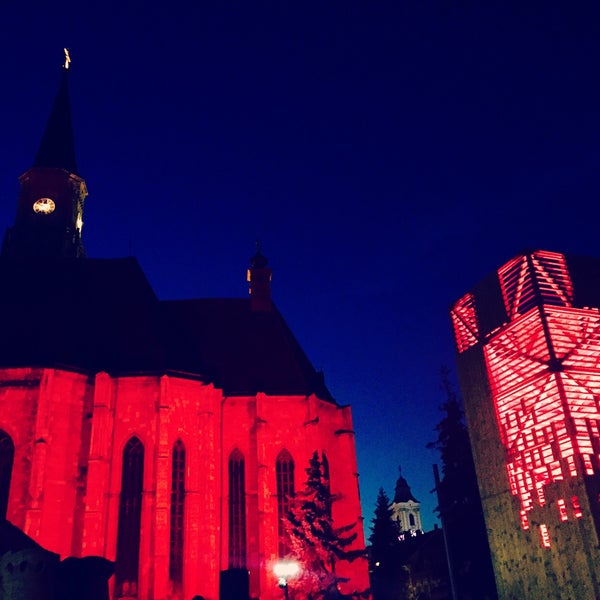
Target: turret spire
57 149
259 278
405 507
402 492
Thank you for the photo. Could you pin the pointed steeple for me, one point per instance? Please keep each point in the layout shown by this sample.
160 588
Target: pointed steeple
57 150
51 197
403 493
259 278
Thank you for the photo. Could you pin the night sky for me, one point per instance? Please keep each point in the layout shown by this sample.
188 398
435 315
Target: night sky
387 156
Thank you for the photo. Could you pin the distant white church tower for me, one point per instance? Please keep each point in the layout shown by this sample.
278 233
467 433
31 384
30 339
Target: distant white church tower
406 509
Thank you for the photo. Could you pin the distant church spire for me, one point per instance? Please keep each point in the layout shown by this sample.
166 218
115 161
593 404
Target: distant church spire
259 278
403 493
406 509
51 197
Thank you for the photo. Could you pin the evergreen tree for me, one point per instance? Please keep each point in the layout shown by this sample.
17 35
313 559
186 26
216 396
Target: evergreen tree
384 560
459 503
459 482
384 532
315 543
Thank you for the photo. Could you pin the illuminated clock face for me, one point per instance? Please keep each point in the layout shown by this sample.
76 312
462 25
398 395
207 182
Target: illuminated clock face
44 206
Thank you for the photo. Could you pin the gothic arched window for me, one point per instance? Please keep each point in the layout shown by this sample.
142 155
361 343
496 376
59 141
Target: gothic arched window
284 472
237 511
130 514
7 456
177 511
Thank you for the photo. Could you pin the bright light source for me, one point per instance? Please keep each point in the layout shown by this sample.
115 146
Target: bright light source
285 569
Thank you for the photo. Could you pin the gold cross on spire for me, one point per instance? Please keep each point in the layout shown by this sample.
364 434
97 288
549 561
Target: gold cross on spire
67 59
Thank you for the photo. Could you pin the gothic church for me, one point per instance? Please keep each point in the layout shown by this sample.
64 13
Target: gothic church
168 436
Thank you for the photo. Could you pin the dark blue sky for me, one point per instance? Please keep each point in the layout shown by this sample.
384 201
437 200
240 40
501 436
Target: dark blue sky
388 155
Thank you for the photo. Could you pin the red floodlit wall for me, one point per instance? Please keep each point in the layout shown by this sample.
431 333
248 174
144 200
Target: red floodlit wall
544 370
69 431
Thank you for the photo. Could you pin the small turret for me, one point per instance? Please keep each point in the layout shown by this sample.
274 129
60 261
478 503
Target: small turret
259 278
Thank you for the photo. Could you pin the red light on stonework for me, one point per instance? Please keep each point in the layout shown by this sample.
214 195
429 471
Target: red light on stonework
562 509
545 535
464 321
576 507
524 520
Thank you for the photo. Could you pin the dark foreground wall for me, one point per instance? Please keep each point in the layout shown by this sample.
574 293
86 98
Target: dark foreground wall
29 572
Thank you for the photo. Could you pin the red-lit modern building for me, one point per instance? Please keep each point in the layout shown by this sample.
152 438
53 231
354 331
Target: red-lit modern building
528 341
168 436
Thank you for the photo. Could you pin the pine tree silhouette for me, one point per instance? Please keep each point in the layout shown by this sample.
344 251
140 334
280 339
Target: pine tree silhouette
459 503
314 541
384 559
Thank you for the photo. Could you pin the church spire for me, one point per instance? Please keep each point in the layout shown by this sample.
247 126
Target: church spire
50 204
402 492
406 509
57 150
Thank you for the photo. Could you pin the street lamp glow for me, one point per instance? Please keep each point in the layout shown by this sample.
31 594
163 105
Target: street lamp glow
284 569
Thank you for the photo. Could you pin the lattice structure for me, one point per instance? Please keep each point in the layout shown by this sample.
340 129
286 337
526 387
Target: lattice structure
464 321
527 279
544 370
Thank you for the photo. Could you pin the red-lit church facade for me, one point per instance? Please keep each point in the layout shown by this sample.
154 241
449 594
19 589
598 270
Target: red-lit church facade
528 341
168 436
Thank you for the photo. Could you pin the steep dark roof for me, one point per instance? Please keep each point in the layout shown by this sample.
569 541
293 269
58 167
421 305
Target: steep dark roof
102 315
242 351
57 149
88 314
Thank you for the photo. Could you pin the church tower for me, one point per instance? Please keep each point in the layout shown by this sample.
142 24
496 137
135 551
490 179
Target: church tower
406 509
50 204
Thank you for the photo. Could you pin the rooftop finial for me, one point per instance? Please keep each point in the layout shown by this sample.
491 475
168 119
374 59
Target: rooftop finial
67 59
258 261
